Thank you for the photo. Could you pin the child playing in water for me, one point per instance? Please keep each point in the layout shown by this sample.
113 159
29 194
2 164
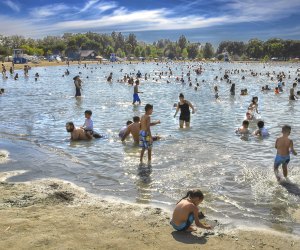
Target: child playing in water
136 92
186 211
123 130
253 105
244 128
145 133
261 131
284 146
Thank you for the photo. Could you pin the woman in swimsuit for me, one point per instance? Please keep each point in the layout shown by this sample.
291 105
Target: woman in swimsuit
185 114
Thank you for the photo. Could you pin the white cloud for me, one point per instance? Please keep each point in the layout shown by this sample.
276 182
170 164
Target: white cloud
14 6
263 10
104 6
88 5
105 16
143 20
22 27
48 10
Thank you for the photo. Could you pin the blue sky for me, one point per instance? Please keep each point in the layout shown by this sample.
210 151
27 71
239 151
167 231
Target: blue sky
200 21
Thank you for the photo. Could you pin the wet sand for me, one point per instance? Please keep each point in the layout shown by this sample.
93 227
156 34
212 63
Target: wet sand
52 214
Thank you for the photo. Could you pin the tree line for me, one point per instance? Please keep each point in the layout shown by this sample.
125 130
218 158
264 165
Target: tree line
128 46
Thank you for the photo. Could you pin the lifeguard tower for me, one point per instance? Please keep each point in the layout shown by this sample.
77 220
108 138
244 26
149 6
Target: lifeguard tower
18 56
226 56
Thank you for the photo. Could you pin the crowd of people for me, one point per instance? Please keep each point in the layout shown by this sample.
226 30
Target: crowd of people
186 210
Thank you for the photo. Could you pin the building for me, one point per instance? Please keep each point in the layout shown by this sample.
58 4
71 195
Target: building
87 55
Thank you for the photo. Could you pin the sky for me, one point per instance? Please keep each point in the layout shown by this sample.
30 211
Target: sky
199 20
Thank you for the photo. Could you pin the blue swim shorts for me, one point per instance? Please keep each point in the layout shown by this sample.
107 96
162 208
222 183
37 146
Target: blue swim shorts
281 160
184 225
136 98
145 140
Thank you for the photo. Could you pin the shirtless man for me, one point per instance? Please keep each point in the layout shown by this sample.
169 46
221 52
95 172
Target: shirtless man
77 133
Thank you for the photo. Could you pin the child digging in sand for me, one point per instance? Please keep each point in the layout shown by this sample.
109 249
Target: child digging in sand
284 146
186 211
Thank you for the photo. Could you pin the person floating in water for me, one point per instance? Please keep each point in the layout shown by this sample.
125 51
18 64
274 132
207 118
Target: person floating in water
185 115
284 147
77 133
186 212
145 133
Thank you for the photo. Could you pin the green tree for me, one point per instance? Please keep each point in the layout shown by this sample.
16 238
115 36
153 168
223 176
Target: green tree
255 48
120 53
109 50
184 53
137 51
182 42
208 50
132 41
193 50
128 49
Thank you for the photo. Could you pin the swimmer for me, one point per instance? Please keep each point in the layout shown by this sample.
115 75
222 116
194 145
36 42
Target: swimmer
232 89
216 92
186 212
123 130
244 129
249 116
77 83
292 96
184 107
253 105
77 133
136 92
284 147
145 133
261 131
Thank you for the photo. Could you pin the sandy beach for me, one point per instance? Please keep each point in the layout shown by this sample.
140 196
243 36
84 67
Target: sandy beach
51 214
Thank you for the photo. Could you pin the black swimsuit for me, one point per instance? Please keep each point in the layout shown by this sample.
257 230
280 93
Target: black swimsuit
184 112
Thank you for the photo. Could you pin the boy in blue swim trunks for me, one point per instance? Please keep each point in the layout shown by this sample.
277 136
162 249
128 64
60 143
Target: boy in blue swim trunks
136 92
284 146
145 133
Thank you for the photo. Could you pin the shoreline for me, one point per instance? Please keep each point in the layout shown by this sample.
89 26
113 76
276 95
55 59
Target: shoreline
54 214
56 63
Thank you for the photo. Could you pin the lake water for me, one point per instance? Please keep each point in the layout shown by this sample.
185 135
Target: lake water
236 175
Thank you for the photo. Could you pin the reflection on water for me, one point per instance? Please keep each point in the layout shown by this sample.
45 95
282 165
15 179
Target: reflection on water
234 172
